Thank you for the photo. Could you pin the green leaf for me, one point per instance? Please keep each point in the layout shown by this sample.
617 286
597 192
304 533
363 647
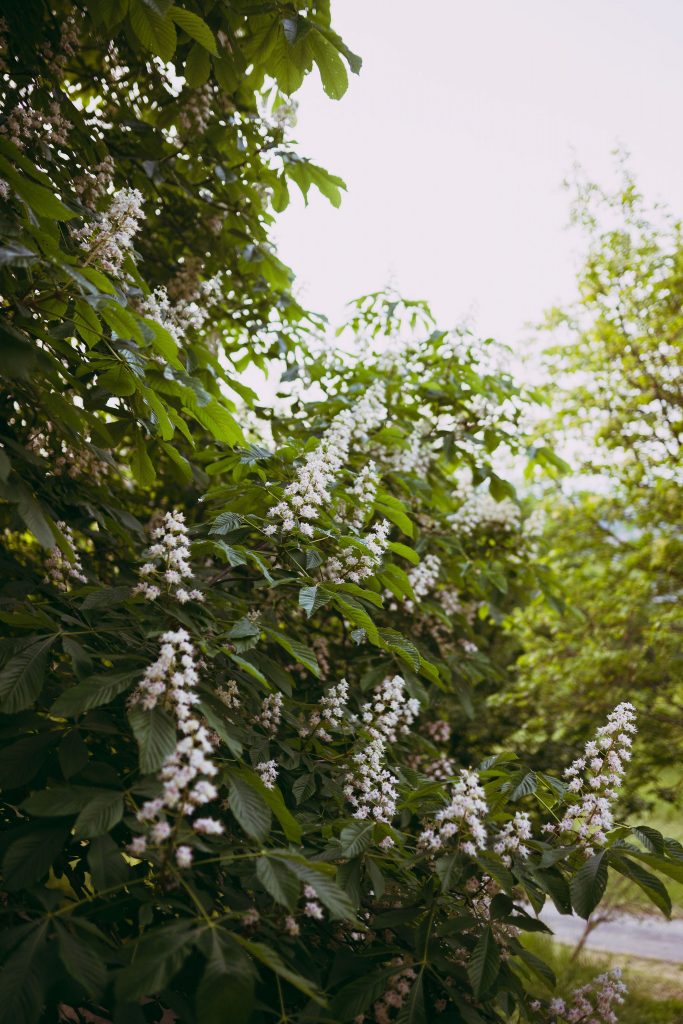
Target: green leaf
99 815
156 33
29 858
303 654
197 67
22 981
249 807
42 200
333 74
62 800
141 465
227 981
82 961
405 552
484 963
106 863
307 596
155 732
279 881
356 838
21 680
218 421
274 962
327 890
653 888
87 323
158 956
92 693
195 27
588 885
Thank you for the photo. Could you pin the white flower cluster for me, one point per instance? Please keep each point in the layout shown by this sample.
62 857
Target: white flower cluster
463 816
25 124
369 787
353 564
59 569
180 316
416 457
364 491
331 713
271 713
391 712
451 602
268 772
309 492
479 511
596 778
168 562
512 837
593 1003
110 240
186 773
423 579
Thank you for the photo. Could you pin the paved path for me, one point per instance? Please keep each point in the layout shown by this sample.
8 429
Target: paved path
651 937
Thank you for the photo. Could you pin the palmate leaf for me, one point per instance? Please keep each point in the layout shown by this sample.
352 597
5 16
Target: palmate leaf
653 888
21 680
92 693
274 962
328 891
195 27
99 815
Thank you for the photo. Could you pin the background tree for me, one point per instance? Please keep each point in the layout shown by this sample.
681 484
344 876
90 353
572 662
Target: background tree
615 542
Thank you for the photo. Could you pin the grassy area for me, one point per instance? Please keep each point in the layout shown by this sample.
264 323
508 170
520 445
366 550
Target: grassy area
655 993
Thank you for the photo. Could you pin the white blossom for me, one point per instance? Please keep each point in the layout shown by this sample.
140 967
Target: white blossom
479 511
268 772
512 836
595 779
110 239
369 787
332 708
364 491
358 561
171 682
168 563
463 817
271 713
391 712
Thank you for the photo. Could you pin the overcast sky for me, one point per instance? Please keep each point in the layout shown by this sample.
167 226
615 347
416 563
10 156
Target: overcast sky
456 136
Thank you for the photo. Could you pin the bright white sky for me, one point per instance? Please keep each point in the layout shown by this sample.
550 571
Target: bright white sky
456 136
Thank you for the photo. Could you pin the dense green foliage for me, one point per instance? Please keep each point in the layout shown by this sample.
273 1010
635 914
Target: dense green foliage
614 540
235 641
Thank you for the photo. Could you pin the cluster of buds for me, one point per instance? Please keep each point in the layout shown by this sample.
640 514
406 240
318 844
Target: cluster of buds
94 183
25 124
396 994
186 773
60 570
592 1003
463 817
168 562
